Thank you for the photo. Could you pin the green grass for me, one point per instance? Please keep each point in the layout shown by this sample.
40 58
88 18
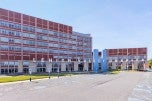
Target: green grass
27 77
114 72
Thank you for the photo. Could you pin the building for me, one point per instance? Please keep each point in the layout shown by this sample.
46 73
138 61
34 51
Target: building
28 42
127 58
123 58
99 61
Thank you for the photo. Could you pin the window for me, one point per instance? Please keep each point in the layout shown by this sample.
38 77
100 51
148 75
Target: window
11 40
4 47
4 39
17 40
26 64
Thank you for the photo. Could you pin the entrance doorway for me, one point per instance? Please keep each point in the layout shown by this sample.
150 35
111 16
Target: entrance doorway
80 67
41 70
25 70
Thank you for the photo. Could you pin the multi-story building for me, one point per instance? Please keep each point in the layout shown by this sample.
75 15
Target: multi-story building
127 58
123 58
41 45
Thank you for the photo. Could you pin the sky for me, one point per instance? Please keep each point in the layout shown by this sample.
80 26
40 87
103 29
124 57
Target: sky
111 23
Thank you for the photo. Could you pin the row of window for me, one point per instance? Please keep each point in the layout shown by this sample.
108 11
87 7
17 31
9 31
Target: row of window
12 40
40 37
17 48
9 64
6 48
127 57
62 40
30 42
33 29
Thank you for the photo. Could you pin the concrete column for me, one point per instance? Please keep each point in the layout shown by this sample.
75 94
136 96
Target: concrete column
135 65
113 65
86 66
63 66
20 66
123 65
33 66
0 69
76 66
49 66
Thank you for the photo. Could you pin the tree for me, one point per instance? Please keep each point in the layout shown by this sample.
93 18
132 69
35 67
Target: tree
150 62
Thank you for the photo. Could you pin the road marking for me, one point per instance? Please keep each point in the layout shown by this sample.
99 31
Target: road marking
134 99
142 91
40 87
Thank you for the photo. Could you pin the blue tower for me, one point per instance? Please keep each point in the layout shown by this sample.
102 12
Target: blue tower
104 60
95 60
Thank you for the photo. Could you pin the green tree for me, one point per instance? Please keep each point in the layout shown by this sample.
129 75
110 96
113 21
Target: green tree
150 62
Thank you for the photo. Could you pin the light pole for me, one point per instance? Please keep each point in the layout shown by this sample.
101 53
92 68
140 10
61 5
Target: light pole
30 72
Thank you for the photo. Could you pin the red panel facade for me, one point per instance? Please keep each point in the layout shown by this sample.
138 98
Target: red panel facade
23 21
127 51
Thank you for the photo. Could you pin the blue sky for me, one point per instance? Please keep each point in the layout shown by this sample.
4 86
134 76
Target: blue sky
112 23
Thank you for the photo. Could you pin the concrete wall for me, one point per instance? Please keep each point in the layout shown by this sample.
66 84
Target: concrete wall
48 67
32 66
20 67
63 66
86 65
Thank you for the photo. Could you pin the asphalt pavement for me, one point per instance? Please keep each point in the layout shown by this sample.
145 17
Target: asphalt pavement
125 86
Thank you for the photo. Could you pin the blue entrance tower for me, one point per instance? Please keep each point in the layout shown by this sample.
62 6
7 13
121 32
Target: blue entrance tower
95 60
104 60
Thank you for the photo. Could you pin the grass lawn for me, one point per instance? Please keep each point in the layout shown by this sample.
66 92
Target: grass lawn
114 72
27 77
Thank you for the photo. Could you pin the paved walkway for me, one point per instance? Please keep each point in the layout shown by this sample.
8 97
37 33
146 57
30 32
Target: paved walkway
143 90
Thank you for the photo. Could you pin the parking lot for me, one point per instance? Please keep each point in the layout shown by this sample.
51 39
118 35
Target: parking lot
125 86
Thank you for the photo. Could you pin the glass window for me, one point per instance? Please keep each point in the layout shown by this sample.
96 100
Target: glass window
4 39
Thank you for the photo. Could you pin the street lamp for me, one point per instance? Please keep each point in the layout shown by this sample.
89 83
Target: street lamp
30 72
